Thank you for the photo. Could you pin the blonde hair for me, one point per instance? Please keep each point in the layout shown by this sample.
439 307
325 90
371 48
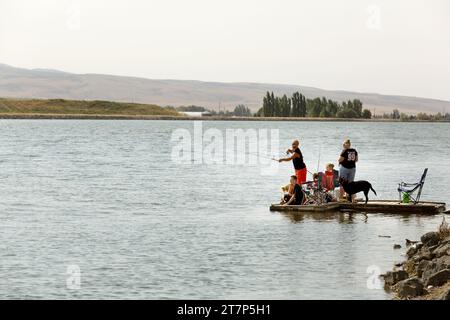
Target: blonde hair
347 141
330 165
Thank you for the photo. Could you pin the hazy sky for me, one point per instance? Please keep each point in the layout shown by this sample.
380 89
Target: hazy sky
392 46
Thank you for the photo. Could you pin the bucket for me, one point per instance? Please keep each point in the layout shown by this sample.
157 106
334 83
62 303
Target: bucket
406 198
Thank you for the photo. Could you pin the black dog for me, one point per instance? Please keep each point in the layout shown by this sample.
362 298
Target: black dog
352 188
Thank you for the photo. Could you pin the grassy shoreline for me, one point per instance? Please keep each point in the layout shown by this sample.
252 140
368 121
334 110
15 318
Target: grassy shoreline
60 109
85 116
54 107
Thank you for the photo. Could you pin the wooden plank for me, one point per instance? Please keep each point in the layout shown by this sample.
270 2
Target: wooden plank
374 206
333 206
395 207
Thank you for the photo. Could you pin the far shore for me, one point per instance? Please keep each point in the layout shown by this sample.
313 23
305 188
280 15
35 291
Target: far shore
57 116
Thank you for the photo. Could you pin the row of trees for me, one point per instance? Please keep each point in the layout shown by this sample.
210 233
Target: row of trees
283 106
397 115
299 106
239 111
190 109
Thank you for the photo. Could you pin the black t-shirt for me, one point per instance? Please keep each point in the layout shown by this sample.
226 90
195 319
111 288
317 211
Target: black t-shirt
349 156
298 162
298 193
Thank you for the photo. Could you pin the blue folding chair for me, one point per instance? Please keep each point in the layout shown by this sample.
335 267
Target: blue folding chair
412 188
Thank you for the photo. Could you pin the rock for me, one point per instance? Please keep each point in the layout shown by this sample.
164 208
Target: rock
430 238
446 295
411 251
411 287
422 266
442 250
442 263
427 265
432 248
435 265
439 278
424 254
392 277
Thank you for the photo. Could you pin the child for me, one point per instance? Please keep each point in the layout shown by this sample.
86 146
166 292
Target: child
310 185
331 180
288 191
297 198
316 180
331 177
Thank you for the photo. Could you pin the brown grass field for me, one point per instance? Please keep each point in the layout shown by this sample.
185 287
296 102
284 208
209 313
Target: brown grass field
80 107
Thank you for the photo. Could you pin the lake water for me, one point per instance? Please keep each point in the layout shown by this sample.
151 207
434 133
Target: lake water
105 198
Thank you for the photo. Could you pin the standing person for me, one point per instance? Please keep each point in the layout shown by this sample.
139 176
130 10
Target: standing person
297 160
347 164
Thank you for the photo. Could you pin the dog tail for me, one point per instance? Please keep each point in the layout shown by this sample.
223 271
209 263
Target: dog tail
373 190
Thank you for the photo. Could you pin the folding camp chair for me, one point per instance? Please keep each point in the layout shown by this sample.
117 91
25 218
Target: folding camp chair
315 194
412 188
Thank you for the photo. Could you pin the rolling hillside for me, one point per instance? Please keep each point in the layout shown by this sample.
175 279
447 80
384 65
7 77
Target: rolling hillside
53 84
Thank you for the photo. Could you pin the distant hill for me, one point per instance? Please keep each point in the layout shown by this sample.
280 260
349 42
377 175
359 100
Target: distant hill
47 83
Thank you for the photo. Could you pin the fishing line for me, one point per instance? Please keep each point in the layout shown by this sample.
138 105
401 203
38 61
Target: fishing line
275 159
318 160
262 156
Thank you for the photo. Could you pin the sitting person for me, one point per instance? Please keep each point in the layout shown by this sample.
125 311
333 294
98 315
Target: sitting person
325 183
331 180
314 184
288 191
298 196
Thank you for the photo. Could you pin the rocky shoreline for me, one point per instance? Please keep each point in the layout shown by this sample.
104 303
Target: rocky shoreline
425 275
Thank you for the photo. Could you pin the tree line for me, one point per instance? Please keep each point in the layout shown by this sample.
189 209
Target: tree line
299 106
239 111
397 115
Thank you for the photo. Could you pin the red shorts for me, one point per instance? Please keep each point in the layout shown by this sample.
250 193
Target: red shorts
301 175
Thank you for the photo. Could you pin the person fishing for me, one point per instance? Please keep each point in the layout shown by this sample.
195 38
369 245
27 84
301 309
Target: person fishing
347 163
297 160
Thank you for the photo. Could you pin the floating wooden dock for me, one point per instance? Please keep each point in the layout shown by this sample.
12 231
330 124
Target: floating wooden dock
373 206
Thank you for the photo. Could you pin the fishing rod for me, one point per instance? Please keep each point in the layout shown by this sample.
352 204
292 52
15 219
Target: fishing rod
263 156
275 159
318 160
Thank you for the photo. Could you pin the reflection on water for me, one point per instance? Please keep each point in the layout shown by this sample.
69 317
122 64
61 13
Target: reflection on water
106 197
341 216
338 216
